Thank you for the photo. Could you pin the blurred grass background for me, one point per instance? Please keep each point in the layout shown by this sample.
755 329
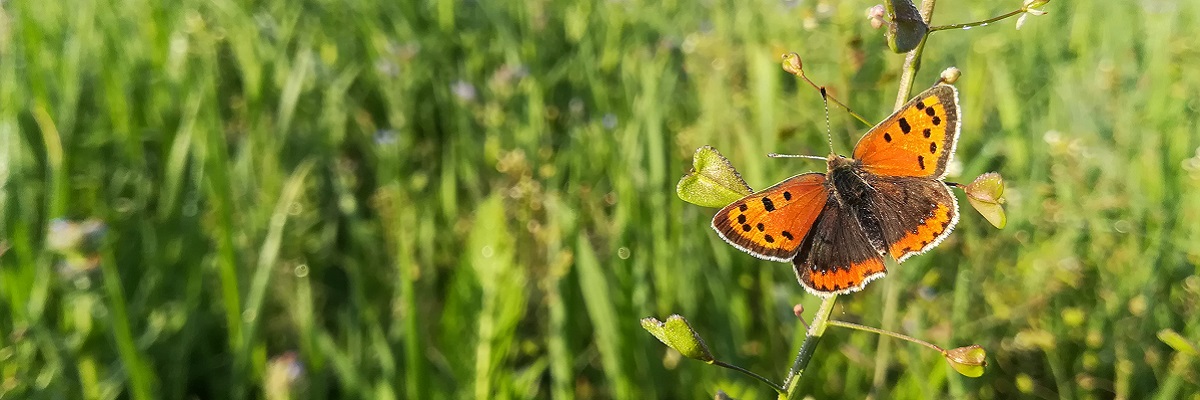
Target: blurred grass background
475 199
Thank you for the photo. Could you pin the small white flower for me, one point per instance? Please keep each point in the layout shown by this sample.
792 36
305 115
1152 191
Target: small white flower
1030 8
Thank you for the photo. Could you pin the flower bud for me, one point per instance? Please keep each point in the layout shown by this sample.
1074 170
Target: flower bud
876 11
875 15
950 75
1035 3
986 195
792 64
968 360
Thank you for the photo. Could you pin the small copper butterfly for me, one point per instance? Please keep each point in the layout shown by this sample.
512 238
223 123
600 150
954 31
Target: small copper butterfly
889 199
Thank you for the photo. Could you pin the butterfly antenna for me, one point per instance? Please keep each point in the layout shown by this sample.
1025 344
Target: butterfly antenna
828 136
777 155
828 130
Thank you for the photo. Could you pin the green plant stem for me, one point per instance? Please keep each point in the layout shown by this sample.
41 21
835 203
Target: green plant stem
912 61
883 353
900 336
815 330
750 374
1010 14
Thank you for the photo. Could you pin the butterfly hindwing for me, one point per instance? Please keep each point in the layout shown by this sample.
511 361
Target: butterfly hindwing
914 214
772 223
837 257
918 140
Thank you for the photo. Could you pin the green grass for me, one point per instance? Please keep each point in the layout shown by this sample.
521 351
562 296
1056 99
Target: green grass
299 177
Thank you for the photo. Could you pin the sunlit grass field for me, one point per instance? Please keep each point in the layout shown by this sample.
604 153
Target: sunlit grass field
437 199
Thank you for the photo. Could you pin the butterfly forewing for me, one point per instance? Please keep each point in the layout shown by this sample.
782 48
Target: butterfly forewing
837 257
772 223
916 141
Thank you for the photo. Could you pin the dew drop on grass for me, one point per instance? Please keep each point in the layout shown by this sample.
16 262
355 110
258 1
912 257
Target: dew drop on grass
487 251
623 253
301 270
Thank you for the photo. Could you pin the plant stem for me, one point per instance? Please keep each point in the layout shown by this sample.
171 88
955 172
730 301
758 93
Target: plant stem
1010 14
912 61
883 352
811 338
749 373
900 336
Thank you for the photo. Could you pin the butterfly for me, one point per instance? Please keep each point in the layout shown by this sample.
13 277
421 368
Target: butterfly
888 200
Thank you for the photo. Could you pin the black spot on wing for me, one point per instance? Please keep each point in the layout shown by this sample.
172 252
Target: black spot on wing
788 235
927 133
742 219
787 195
760 227
904 126
743 207
921 161
887 137
929 111
936 120
768 204
932 147
920 105
769 239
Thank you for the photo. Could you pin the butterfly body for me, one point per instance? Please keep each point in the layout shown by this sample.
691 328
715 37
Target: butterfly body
888 200
847 184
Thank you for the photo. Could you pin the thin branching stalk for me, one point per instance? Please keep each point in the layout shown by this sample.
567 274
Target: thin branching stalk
800 73
896 335
750 374
1010 14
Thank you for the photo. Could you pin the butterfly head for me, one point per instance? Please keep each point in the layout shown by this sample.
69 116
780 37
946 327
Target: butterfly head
839 162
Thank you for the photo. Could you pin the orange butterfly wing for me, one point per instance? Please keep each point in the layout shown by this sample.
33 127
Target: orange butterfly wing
771 224
905 157
916 141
